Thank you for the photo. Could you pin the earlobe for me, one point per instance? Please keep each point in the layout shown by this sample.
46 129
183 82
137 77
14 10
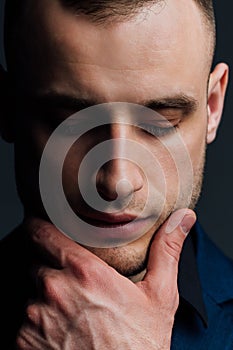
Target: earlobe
216 96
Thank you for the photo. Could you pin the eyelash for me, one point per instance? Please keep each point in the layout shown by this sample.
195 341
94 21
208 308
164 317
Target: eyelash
153 130
157 131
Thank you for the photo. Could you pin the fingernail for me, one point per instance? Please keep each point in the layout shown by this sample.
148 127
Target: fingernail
181 218
187 223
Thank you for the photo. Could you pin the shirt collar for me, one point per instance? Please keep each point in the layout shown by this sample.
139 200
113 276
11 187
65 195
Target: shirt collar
189 284
215 269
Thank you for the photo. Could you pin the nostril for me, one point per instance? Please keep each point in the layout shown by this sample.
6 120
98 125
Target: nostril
121 194
107 195
123 189
118 179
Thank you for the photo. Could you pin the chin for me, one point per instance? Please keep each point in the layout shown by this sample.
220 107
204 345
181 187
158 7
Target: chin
128 260
131 259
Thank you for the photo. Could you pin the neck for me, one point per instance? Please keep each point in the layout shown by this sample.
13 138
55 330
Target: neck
138 278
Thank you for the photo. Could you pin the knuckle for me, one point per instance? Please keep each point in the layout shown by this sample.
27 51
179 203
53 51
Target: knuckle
51 286
85 270
173 248
73 260
88 276
21 342
81 266
32 313
92 272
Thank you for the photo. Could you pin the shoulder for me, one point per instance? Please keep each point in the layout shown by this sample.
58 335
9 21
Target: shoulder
214 267
215 272
216 276
14 285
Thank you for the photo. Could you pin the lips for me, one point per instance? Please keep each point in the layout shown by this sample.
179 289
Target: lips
109 220
111 230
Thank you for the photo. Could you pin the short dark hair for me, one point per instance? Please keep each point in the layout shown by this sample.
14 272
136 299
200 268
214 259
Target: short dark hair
103 9
98 11
208 10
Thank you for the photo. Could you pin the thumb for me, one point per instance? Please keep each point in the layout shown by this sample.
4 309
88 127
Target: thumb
162 267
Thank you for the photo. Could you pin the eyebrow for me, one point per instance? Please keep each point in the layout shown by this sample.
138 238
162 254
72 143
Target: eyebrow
187 104
56 100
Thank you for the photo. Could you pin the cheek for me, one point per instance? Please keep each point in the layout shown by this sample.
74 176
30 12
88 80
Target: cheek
194 136
166 175
72 163
182 160
71 168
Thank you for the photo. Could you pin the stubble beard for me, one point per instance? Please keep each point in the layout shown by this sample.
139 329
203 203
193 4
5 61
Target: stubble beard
129 260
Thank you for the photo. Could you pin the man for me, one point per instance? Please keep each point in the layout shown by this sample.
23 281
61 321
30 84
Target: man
62 57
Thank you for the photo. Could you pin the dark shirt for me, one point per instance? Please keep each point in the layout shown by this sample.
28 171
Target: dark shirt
195 318
210 328
189 284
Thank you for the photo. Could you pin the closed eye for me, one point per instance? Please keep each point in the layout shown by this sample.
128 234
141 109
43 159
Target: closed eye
158 131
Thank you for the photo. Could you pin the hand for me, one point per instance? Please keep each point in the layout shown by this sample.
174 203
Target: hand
84 304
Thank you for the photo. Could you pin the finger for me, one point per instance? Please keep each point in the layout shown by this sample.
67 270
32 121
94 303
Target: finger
31 313
50 285
28 336
41 276
54 246
162 268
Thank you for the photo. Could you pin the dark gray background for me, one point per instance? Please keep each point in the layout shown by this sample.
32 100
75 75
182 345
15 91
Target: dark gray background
215 209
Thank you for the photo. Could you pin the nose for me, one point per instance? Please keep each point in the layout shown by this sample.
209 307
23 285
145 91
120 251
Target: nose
119 178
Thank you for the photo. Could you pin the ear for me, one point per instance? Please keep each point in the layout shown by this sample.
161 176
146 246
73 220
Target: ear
216 95
6 131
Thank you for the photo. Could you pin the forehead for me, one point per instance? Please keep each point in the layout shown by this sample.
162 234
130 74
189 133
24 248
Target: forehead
166 41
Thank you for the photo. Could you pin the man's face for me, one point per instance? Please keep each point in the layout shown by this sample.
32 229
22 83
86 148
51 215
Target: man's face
159 55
